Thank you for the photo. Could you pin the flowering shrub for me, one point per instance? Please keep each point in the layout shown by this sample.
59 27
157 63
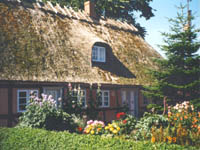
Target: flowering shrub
146 123
112 128
72 103
80 122
126 122
184 123
94 127
184 115
43 113
183 126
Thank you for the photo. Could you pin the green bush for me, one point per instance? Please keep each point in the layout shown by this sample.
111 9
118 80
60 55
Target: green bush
39 139
44 113
126 122
146 123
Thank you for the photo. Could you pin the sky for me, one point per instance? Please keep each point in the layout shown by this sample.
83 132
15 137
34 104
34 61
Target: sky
159 23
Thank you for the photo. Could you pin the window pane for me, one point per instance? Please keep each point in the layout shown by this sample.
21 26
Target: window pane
22 100
105 103
98 53
22 94
83 101
22 107
83 92
94 53
105 99
106 94
101 54
100 101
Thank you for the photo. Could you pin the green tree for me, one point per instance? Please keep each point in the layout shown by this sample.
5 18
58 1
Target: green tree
116 9
178 76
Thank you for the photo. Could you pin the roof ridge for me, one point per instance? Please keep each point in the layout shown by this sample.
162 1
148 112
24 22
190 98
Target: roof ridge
80 15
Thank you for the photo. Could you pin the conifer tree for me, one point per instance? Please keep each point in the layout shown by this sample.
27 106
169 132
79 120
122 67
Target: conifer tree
178 76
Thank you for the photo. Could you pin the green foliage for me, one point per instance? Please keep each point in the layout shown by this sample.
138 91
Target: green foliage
93 104
145 124
183 126
154 108
32 139
126 123
72 103
43 113
178 76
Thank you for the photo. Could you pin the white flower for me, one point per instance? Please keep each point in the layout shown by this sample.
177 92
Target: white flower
59 99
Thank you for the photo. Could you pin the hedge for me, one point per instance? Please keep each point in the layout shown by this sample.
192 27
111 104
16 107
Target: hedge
32 139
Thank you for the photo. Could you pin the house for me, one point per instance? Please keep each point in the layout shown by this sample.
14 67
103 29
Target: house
44 47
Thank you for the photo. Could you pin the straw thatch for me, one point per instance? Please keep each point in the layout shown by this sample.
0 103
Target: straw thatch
43 42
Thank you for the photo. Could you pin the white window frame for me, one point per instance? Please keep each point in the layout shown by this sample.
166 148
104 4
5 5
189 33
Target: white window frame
28 92
99 50
79 97
103 98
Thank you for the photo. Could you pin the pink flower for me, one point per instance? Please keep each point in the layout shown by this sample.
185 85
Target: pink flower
90 122
40 104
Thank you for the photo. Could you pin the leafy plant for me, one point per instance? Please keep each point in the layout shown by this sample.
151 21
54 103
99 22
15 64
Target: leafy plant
43 113
126 122
145 124
93 104
184 123
72 104
32 139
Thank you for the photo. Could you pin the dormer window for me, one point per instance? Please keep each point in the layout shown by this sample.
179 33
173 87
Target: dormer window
98 54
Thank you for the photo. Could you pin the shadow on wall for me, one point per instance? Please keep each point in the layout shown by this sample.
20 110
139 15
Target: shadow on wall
112 64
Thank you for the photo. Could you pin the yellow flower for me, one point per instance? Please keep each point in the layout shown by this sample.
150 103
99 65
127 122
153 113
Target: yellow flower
92 132
153 139
177 115
115 131
87 131
111 129
118 128
169 139
106 127
114 124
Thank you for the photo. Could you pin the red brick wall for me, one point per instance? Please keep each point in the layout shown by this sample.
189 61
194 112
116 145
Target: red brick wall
3 101
106 113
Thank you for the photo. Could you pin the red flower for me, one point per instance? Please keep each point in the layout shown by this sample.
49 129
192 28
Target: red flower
80 129
120 114
124 121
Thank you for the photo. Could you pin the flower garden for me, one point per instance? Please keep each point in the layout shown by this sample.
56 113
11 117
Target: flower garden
179 129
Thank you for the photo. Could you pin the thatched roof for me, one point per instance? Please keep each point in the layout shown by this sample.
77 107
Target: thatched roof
42 42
